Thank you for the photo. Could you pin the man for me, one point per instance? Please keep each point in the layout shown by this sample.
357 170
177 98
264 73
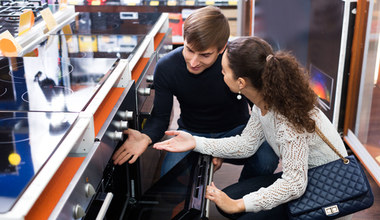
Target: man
192 73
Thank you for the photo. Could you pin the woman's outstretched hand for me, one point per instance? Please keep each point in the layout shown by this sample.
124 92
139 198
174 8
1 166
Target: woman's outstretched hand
182 142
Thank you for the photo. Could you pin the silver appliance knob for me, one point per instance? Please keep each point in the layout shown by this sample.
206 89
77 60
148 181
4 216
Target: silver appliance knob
78 212
121 125
149 78
144 91
126 115
116 135
90 190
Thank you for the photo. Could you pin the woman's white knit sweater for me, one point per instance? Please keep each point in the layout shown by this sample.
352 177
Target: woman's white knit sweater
297 151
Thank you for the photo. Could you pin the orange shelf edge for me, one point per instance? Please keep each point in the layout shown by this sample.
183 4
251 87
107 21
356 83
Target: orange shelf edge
157 39
137 70
53 192
106 107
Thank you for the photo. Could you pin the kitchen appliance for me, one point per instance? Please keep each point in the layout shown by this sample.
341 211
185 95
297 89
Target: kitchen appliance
28 140
52 95
179 194
104 193
10 12
51 83
116 23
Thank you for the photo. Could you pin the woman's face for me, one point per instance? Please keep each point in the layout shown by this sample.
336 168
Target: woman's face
229 76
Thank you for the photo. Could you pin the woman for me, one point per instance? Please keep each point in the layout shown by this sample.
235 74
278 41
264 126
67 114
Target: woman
284 114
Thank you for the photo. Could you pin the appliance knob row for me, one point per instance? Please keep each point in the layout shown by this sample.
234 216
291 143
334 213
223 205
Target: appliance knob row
144 91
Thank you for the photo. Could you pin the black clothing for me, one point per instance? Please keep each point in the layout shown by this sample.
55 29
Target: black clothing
207 104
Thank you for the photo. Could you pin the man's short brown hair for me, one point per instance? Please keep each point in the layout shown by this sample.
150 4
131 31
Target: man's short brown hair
205 28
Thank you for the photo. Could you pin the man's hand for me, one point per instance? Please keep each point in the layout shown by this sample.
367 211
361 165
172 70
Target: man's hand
217 163
132 148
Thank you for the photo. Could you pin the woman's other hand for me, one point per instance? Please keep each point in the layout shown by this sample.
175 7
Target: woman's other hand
217 163
223 201
182 142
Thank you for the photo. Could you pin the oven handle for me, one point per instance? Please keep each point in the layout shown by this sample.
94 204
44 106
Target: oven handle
211 176
104 208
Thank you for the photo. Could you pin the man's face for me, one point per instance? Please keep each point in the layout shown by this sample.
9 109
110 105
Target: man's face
198 61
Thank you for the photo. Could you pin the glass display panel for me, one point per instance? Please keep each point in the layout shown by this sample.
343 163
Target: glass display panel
367 126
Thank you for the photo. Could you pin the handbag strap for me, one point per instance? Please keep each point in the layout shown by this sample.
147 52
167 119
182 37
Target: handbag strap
319 132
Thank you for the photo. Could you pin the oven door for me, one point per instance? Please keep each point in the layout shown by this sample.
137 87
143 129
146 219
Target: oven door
99 188
179 194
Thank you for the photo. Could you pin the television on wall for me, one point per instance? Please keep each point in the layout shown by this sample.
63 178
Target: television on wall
323 85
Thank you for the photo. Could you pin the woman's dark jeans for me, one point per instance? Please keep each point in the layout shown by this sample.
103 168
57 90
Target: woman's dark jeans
263 162
242 188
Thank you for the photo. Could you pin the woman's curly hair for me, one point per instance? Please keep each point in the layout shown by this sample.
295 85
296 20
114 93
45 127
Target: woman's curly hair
279 77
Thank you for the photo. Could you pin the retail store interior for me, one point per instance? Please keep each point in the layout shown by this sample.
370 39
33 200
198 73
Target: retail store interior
75 74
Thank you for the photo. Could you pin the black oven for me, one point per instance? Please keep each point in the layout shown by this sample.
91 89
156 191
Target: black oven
105 194
179 194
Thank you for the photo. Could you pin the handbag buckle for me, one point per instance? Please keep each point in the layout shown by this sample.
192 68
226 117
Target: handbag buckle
331 210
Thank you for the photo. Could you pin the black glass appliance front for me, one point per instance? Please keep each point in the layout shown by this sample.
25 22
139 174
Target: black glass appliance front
27 140
50 82
179 194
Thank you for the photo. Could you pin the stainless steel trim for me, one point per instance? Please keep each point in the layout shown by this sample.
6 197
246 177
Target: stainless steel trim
210 178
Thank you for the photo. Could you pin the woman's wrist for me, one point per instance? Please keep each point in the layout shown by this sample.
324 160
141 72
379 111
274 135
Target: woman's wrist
240 206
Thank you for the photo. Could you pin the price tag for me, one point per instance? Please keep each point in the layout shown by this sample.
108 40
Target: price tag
62 4
95 2
232 2
26 22
132 2
73 2
210 2
8 44
189 2
154 3
33 53
68 32
88 43
48 18
172 3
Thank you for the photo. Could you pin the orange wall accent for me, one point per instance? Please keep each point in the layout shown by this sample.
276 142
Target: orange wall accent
49 198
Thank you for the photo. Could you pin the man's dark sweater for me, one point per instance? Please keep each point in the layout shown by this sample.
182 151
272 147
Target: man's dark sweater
207 104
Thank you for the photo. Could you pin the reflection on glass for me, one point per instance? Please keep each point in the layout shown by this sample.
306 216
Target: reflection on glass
50 82
367 127
27 140
170 197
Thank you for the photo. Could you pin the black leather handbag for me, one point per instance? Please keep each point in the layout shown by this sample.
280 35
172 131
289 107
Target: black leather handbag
335 189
